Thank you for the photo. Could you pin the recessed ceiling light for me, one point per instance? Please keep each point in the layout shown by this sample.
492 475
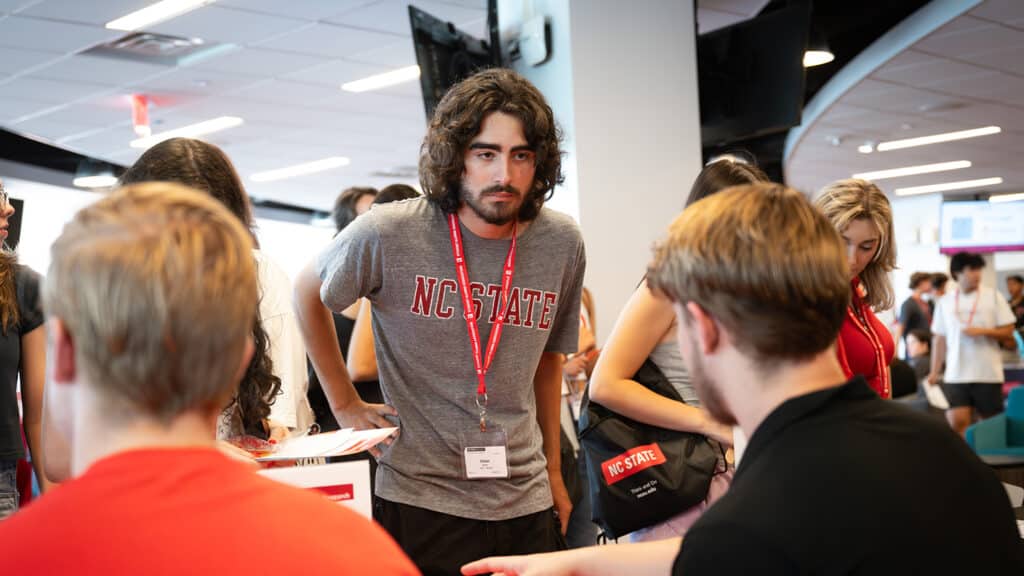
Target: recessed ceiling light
912 170
817 58
190 131
1006 197
155 13
301 169
936 138
947 186
866 148
101 181
384 80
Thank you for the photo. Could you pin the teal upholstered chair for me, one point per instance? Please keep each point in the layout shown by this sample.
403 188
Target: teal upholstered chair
1002 434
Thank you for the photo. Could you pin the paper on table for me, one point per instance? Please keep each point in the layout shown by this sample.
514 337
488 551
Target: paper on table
338 443
936 397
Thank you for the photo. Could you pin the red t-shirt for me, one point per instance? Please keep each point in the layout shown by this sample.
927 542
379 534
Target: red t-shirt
191 511
860 347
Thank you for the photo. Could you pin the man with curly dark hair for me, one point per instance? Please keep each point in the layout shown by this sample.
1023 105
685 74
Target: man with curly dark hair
476 296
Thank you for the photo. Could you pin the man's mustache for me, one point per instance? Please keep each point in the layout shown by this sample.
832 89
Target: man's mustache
498 188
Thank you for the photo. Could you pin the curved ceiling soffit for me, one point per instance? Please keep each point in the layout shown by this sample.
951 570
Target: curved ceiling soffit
904 35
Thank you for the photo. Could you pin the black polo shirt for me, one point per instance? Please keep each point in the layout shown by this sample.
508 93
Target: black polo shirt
842 482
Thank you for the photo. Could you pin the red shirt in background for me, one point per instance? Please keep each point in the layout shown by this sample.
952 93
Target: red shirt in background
191 511
865 349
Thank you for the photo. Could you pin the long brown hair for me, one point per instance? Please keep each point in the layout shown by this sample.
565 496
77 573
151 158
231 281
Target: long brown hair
207 168
9 315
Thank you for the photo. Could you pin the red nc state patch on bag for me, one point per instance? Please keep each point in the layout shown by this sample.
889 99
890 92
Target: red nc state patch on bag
630 462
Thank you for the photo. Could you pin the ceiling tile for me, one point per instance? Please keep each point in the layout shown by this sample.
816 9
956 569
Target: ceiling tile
11 108
94 69
15 61
51 36
95 13
259 62
994 86
99 112
330 40
989 114
927 72
13 5
335 73
287 93
47 129
304 9
394 55
909 57
193 81
52 91
971 40
377 104
999 10
115 138
216 23
901 99
393 15
1007 59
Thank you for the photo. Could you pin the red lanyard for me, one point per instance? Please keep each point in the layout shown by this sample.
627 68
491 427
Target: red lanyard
924 309
974 308
481 363
882 367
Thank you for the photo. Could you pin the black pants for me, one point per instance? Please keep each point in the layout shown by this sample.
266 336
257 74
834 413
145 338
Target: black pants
439 543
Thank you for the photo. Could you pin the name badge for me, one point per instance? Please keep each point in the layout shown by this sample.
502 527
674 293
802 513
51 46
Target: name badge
485 454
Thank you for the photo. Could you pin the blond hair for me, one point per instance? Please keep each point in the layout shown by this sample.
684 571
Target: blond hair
764 263
845 201
156 285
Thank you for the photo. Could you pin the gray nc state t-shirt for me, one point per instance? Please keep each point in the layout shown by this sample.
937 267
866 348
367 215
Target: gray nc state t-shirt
399 256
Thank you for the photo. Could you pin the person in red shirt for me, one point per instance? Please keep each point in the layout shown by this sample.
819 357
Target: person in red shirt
862 215
149 298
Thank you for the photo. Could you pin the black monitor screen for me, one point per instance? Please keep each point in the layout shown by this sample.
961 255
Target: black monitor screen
14 223
751 76
445 55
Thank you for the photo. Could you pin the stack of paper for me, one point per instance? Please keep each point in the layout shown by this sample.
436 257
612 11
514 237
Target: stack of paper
936 397
339 443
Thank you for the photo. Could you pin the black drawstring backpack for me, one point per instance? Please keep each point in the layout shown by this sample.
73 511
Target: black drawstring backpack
640 474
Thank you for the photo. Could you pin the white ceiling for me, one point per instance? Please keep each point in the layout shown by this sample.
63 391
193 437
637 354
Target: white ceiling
967 74
283 79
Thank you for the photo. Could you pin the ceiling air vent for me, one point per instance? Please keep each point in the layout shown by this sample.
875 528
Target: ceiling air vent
158 49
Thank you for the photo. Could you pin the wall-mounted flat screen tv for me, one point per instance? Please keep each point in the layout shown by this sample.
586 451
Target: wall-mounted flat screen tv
981 226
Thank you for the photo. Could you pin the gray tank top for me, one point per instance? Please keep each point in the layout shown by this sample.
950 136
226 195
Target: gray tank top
667 358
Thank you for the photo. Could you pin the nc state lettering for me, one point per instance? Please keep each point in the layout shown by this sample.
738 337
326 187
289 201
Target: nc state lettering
528 307
631 461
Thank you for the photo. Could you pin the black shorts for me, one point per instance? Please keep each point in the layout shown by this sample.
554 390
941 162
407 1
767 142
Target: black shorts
986 398
440 543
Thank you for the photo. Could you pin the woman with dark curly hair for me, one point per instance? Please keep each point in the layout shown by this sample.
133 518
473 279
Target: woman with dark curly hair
272 394
479 261
23 354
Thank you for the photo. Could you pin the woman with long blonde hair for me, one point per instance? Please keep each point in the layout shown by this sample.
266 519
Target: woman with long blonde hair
862 215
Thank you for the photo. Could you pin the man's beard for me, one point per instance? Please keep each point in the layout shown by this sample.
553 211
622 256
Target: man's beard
707 389
496 214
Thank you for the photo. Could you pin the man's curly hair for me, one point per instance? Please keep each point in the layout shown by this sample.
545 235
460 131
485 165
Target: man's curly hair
457 120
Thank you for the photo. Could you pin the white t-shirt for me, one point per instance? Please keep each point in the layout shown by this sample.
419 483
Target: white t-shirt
287 352
971 359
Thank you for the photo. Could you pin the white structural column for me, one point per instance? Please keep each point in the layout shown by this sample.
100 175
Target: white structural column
622 80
